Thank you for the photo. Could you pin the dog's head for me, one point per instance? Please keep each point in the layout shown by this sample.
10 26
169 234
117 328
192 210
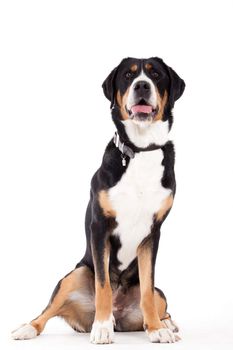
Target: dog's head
143 90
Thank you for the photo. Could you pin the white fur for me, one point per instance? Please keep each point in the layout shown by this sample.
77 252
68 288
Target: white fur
163 335
134 314
171 325
83 298
136 198
153 97
102 332
143 134
26 331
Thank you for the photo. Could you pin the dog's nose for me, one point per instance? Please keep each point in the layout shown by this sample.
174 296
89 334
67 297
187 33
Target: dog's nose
142 86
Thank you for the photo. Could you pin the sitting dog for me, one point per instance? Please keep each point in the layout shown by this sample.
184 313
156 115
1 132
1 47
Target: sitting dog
112 287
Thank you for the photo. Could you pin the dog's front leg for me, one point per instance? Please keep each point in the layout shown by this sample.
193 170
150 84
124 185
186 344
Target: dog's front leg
146 254
102 328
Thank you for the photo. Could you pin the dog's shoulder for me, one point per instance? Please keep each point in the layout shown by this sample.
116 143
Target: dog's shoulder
110 171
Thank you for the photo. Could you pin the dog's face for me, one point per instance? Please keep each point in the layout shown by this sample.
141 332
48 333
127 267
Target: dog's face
142 89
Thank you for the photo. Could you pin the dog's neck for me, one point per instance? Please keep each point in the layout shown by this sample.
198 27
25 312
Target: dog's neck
142 136
146 135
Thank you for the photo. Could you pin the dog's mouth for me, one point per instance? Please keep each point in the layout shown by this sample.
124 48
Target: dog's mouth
142 111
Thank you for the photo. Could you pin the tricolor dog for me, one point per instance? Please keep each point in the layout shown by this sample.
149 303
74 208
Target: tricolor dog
112 287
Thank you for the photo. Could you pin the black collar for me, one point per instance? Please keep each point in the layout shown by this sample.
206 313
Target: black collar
130 151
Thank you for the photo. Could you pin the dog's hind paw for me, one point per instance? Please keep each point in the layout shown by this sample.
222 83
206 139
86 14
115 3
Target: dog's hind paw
26 331
102 332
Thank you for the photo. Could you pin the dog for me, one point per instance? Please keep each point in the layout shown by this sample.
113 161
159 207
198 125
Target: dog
112 287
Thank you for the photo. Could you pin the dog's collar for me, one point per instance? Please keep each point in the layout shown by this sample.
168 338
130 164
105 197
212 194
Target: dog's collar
130 151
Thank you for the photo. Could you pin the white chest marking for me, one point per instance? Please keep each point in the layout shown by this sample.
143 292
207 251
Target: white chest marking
144 134
136 198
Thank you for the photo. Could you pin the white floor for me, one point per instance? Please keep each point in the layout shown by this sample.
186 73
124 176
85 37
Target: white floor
59 336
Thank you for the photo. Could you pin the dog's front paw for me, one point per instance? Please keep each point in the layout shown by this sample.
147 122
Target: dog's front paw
26 331
102 332
163 335
171 325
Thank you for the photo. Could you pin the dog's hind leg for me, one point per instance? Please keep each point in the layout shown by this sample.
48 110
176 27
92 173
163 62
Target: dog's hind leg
127 311
72 299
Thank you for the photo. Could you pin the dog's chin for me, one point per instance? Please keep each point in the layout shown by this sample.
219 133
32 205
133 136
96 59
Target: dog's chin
143 118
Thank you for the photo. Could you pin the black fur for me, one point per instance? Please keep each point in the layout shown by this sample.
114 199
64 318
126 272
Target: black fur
98 227
151 101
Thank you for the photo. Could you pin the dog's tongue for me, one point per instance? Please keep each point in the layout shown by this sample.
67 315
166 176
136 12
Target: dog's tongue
141 109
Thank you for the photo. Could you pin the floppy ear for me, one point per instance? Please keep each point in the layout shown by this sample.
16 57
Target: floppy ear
109 86
177 85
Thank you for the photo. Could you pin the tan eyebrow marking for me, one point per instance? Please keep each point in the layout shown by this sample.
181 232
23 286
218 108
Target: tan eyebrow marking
148 66
134 68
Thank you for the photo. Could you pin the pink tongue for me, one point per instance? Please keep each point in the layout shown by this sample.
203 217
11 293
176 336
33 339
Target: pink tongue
141 109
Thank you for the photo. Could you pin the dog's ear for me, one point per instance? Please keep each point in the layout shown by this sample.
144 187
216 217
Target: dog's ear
109 86
177 85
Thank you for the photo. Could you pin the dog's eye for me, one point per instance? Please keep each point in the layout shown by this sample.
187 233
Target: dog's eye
154 74
128 75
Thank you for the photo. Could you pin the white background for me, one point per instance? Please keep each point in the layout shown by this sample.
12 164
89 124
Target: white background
55 124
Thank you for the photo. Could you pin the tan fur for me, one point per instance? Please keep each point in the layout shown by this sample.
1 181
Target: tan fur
148 305
103 293
105 204
122 101
161 103
76 280
148 66
134 68
80 314
160 304
166 205
103 301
